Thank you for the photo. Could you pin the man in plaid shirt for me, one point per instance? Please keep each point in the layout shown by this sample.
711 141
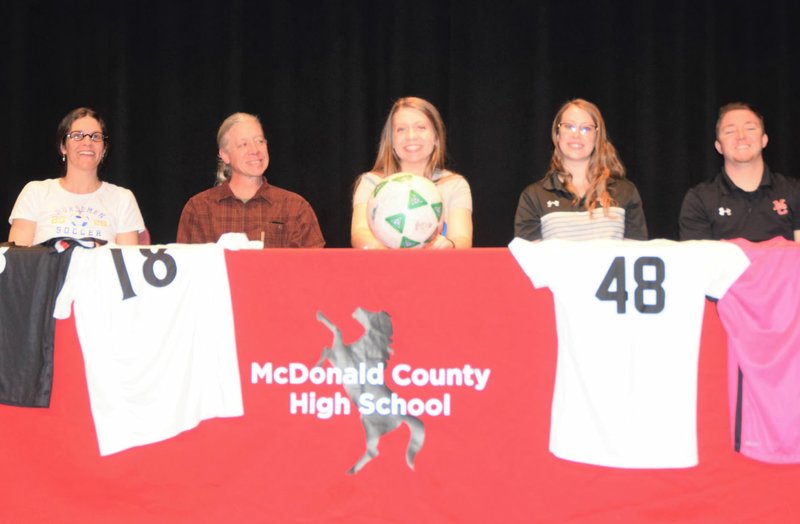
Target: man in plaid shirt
243 201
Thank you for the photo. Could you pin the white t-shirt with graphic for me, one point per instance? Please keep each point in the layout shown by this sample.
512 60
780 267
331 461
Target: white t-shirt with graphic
101 214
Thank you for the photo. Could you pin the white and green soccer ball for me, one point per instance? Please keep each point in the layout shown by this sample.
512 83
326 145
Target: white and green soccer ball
405 211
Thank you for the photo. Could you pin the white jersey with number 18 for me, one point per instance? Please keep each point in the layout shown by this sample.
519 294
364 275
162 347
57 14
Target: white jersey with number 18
628 316
156 331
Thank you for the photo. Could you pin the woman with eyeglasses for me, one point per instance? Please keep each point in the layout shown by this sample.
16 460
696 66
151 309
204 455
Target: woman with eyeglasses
584 194
413 141
78 204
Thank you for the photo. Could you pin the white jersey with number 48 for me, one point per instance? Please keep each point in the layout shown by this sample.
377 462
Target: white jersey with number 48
628 316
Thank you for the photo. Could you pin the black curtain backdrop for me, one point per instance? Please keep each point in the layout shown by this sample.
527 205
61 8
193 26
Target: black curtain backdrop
322 76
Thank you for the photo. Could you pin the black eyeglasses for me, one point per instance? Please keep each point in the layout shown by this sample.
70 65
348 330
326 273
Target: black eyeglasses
78 136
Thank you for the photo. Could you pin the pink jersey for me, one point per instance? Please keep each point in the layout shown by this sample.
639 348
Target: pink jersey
761 315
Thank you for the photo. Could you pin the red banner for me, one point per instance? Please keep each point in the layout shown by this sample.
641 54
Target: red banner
472 360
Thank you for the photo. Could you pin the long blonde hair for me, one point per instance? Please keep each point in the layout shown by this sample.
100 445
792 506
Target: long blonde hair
604 162
387 163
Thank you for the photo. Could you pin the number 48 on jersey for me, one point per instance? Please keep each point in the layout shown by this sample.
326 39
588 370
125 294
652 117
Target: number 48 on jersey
649 295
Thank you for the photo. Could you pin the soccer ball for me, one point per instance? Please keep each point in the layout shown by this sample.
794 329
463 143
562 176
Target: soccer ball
405 210
80 221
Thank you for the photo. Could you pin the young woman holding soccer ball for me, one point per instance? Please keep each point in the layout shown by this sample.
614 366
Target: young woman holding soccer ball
413 141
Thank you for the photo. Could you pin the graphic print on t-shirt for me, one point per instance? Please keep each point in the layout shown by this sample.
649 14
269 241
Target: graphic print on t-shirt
79 222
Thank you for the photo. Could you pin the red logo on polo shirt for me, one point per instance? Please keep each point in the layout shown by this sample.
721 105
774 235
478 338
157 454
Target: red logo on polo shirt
780 206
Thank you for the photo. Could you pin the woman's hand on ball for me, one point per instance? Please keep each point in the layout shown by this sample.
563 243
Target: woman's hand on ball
441 242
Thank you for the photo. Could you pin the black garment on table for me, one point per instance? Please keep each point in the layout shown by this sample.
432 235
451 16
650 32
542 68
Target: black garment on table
30 280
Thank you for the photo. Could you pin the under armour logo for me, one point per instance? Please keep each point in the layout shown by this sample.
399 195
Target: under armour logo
551 203
780 207
724 211
3 259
